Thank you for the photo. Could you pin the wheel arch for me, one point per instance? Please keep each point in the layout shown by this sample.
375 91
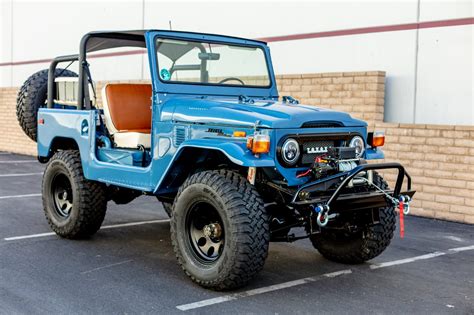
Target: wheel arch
59 144
190 160
207 154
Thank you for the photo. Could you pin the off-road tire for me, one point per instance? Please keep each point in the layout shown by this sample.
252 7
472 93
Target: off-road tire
32 96
89 202
245 222
362 246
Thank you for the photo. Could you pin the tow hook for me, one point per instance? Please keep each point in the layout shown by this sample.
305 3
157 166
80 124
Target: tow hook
323 215
403 209
405 201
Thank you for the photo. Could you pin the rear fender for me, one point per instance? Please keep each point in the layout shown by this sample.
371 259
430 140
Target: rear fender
62 126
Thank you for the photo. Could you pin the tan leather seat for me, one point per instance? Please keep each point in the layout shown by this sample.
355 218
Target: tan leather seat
127 111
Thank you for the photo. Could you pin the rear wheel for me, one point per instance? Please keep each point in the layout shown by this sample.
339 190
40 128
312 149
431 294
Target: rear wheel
358 247
219 229
74 206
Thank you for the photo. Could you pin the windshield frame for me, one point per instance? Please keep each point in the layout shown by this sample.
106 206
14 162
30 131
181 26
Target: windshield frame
210 83
180 87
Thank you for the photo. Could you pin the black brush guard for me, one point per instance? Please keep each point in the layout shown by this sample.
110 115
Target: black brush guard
339 202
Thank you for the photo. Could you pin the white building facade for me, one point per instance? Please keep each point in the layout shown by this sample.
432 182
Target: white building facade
425 47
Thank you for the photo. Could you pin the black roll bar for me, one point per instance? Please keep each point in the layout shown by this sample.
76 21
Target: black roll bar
82 77
83 97
51 77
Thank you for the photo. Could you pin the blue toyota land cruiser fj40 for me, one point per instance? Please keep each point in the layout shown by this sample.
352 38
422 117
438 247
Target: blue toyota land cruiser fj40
234 167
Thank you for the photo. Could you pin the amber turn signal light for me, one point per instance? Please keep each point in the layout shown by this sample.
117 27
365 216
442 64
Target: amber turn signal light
376 139
259 144
239 134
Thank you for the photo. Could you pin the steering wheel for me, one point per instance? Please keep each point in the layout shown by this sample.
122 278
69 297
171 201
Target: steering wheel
231 79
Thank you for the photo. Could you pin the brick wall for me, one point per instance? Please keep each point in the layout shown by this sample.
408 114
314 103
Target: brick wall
12 138
439 158
359 93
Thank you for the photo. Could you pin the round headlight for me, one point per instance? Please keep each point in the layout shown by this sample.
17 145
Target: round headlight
357 143
290 151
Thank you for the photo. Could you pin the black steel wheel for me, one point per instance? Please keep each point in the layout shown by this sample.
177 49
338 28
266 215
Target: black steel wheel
74 206
61 191
206 232
219 229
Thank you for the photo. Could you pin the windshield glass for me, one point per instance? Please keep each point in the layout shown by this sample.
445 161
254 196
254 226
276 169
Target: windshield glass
207 63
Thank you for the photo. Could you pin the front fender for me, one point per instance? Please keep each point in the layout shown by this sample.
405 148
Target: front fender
374 154
235 151
177 170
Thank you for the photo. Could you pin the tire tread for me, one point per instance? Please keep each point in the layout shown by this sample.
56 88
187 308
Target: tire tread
247 211
32 96
92 199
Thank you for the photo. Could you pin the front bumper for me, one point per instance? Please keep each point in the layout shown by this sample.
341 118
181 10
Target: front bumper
310 194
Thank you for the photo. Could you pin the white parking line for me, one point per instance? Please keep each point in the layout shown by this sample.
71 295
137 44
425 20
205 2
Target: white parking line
235 296
20 174
461 249
112 226
275 287
406 260
454 238
21 161
106 266
20 196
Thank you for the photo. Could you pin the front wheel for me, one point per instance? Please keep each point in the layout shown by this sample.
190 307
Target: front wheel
219 229
358 247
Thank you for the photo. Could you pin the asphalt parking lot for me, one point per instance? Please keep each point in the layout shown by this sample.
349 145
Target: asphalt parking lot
129 266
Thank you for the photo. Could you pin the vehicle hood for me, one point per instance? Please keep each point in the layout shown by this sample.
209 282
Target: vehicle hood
271 114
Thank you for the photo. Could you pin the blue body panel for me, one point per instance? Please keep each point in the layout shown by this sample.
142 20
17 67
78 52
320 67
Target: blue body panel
374 154
229 111
64 123
194 111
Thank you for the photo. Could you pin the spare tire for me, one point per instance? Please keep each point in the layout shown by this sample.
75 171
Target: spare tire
32 96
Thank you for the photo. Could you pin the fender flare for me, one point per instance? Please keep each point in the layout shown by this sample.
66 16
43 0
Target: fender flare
236 152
